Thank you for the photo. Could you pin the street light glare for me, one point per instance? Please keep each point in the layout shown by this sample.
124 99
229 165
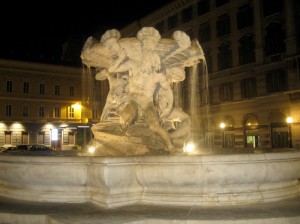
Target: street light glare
91 150
222 125
189 147
289 120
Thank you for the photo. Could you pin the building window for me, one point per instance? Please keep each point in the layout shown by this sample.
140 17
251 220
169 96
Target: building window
57 90
226 92
56 111
8 110
42 88
72 91
224 56
223 25
26 87
172 22
71 112
274 39
248 88
280 135
245 17
271 7
203 7
25 108
221 2
204 32
276 81
9 86
41 111
251 137
160 27
187 14
246 50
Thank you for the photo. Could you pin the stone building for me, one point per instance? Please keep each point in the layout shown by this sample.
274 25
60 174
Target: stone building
251 95
41 104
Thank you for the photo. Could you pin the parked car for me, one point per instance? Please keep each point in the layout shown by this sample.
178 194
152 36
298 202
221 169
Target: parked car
10 149
39 148
23 147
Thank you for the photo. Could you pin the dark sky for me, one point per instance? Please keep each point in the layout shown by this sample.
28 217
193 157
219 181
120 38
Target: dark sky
36 31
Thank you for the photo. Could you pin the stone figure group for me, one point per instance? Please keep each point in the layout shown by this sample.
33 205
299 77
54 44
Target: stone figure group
141 72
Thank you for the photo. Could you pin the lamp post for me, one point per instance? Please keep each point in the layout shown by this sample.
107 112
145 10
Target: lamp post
222 126
289 120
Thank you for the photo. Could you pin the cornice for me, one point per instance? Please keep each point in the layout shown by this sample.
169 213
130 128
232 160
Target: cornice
38 67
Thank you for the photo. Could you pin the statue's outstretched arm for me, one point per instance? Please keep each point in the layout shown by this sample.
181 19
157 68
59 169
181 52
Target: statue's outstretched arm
117 65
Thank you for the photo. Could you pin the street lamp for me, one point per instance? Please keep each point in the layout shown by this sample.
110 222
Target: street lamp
289 120
222 126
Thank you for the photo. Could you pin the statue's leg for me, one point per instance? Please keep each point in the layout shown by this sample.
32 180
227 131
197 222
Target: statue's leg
129 114
152 119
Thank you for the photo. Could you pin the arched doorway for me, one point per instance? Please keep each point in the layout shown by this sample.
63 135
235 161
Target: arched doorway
279 130
228 136
207 126
251 131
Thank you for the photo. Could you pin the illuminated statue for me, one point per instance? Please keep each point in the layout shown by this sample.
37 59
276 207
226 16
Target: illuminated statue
139 116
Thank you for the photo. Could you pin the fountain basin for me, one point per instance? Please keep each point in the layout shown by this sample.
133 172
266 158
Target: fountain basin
203 180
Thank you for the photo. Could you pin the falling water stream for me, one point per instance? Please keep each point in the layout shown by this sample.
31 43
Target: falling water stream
199 100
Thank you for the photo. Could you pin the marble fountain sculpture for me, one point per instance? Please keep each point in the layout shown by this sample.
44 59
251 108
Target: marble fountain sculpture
142 133
139 117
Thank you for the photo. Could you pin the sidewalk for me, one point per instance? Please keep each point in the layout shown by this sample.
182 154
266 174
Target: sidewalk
14 211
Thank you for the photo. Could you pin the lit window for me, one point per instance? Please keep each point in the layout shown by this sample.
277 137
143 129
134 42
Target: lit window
71 112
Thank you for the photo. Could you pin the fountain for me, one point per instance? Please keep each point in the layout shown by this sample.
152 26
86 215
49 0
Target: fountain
140 137
139 117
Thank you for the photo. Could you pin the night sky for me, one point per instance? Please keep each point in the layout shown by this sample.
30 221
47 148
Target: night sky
36 32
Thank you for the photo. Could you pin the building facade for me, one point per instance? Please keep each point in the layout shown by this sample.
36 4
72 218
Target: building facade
41 104
250 97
